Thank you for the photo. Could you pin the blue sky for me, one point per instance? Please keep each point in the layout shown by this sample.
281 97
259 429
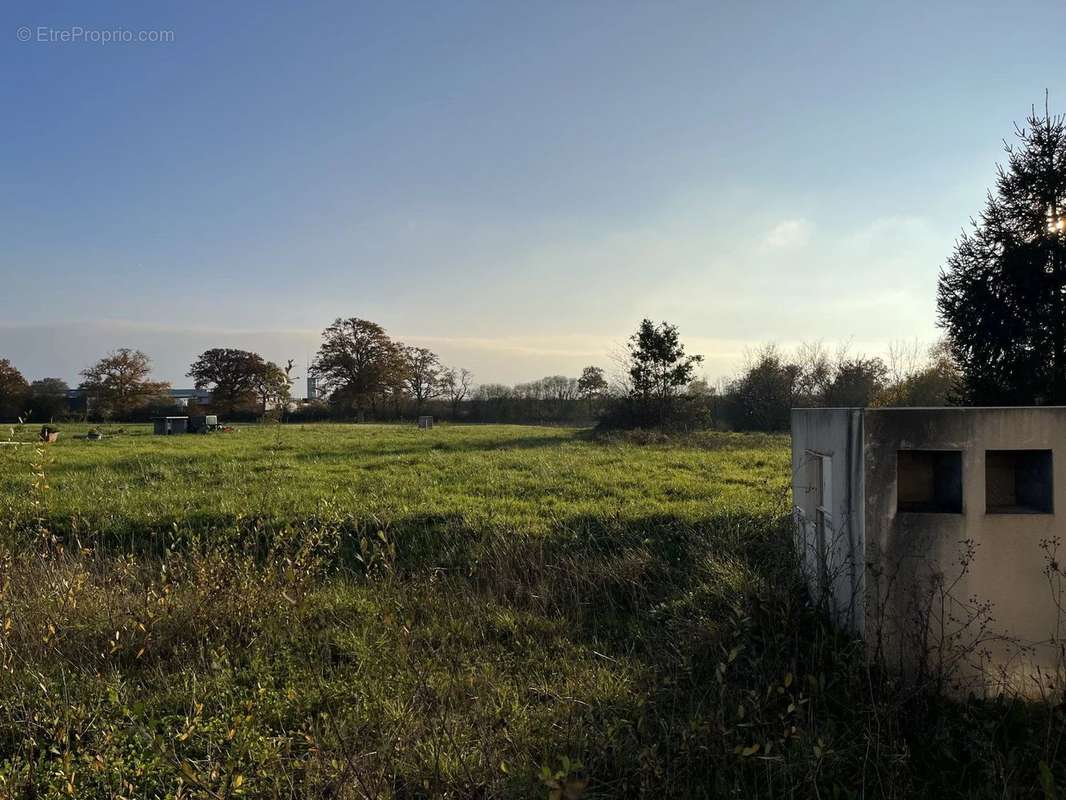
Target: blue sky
512 184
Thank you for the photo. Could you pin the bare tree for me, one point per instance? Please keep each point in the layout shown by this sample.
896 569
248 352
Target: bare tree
904 359
422 374
455 385
815 373
917 379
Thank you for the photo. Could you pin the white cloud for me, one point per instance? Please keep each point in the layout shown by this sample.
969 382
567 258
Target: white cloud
789 234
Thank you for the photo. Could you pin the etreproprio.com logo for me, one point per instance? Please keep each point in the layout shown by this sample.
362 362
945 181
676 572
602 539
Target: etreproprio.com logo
77 34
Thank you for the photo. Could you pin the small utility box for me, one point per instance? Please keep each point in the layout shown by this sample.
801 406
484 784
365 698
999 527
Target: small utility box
939 533
168 426
425 422
205 423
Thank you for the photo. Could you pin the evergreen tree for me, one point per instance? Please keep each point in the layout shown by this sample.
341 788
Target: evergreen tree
1002 296
658 370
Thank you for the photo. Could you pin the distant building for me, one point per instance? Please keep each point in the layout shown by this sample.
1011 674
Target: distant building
314 389
78 402
183 398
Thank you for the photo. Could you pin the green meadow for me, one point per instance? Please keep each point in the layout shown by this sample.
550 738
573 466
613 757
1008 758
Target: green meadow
529 480
363 611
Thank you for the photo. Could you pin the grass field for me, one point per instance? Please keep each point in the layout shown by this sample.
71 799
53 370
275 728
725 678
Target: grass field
530 480
472 611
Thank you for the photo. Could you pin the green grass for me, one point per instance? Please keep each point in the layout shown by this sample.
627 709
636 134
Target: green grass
471 611
525 478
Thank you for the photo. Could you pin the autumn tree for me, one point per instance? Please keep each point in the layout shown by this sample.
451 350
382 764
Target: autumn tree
1000 296
357 362
120 383
229 374
13 391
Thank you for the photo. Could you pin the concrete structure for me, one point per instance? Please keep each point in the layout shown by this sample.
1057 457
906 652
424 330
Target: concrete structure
425 422
166 426
933 534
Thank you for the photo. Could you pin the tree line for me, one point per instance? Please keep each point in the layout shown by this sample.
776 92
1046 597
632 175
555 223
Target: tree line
119 386
774 382
363 374
1001 302
360 371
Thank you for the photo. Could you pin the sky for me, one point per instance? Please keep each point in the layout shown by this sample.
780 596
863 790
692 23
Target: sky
514 185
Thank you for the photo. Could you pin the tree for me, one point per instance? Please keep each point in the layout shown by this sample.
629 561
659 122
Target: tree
1000 296
119 382
496 398
13 391
815 374
48 398
591 386
357 362
932 383
658 369
394 388
856 383
230 375
762 398
270 384
422 374
559 392
455 384
699 389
